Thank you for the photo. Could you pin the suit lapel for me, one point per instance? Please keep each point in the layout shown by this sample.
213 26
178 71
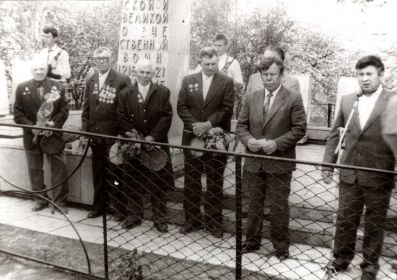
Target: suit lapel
152 89
379 107
277 104
212 89
34 94
198 95
259 99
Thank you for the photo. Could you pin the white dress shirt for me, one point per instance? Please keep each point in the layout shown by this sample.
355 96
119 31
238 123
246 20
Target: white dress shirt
143 90
366 104
206 84
272 98
233 70
102 78
61 65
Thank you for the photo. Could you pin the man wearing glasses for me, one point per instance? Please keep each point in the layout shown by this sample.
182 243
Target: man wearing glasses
99 116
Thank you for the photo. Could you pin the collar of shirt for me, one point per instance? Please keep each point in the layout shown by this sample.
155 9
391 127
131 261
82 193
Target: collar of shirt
206 83
273 96
366 105
143 90
375 95
53 49
102 78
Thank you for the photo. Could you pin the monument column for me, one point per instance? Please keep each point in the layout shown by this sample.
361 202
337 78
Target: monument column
158 30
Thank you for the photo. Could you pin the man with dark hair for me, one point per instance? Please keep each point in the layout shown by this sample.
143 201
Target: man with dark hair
226 64
255 81
57 58
271 122
205 101
32 104
364 147
100 116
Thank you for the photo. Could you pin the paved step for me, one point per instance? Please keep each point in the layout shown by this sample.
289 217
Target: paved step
163 256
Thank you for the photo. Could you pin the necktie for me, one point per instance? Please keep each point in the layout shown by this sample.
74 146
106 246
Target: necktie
266 107
40 88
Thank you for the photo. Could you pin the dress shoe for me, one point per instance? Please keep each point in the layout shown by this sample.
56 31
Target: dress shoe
118 218
340 265
369 271
38 206
188 228
94 214
282 255
129 225
163 228
248 248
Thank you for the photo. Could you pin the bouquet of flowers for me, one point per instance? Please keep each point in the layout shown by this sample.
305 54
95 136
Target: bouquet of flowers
217 139
44 113
132 149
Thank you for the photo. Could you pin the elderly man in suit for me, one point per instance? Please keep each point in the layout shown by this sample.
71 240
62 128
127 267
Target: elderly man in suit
271 122
145 107
364 146
205 101
30 96
100 116
255 81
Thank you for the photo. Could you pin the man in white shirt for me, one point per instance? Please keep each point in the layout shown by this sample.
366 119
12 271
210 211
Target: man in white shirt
57 58
365 147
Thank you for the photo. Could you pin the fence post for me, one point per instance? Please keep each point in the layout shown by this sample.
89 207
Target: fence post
239 233
105 239
329 111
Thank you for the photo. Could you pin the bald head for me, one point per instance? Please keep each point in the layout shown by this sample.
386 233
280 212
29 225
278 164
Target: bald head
144 71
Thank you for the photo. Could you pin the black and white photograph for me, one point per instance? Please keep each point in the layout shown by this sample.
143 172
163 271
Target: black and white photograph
198 139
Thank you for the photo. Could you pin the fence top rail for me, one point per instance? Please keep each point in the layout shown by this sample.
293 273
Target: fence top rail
236 154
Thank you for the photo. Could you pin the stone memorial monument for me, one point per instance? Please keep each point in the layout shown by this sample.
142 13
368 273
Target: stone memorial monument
158 30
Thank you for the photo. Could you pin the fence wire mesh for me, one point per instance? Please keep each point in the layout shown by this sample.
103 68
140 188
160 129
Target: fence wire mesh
180 213
197 220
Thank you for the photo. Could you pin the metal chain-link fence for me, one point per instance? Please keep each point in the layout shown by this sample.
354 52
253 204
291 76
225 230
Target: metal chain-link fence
214 215
175 212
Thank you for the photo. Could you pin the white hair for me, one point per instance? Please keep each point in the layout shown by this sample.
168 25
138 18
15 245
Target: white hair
38 61
143 62
102 50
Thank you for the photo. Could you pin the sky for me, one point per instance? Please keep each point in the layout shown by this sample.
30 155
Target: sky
370 27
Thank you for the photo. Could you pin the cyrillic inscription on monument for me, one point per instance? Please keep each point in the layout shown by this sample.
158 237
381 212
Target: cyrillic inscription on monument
144 34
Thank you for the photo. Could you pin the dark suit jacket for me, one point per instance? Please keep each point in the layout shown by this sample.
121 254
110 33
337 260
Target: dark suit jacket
364 147
27 103
285 124
152 119
216 108
155 117
99 116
